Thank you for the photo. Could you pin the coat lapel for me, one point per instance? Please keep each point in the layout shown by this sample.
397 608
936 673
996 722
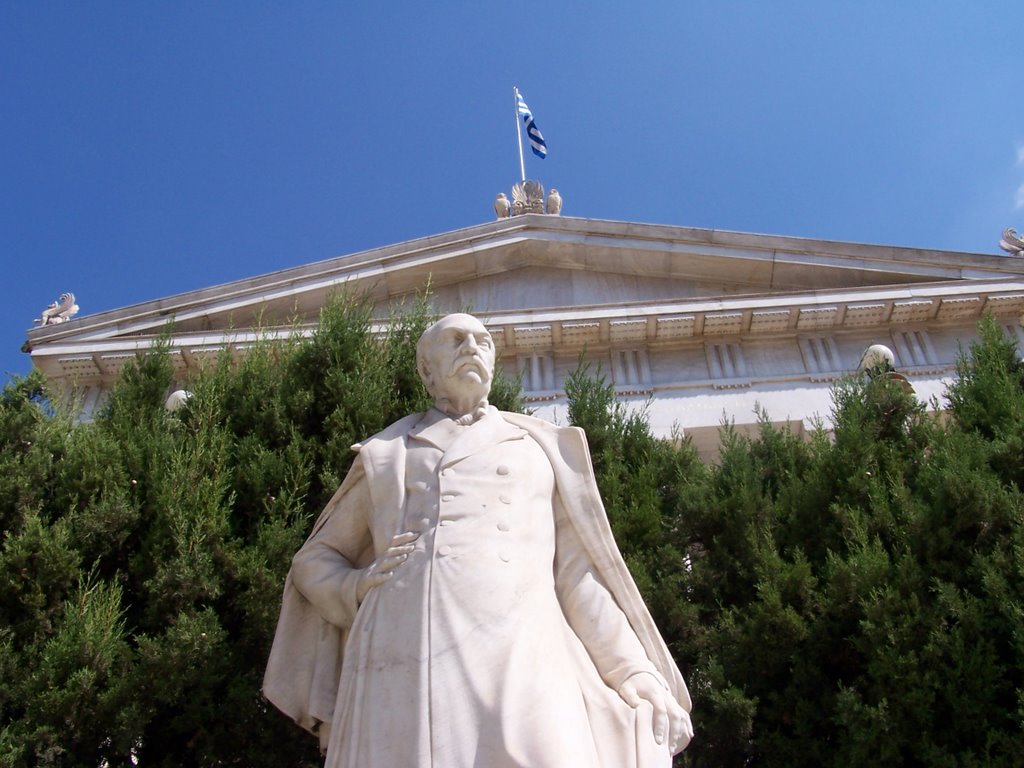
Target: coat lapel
489 431
384 464
456 442
436 429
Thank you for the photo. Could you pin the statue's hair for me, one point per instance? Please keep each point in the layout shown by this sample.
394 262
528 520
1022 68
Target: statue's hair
422 368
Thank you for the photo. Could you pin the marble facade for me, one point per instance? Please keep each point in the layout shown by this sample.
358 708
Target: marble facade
698 325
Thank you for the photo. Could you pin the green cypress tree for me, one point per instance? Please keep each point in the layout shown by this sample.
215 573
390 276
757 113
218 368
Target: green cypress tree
643 482
863 594
144 554
853 599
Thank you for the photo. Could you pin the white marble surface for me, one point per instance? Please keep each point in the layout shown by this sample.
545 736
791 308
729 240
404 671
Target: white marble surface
674 303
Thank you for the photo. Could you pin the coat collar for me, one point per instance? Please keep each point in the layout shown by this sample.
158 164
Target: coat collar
457 442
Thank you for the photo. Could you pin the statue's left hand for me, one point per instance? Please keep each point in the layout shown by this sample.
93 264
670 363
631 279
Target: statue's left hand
671 722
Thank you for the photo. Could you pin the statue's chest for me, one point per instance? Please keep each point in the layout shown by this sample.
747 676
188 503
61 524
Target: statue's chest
501 491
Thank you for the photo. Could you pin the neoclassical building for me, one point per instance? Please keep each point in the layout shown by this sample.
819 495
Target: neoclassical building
698 325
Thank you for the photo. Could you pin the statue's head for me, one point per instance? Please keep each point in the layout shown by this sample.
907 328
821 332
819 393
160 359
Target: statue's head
455 359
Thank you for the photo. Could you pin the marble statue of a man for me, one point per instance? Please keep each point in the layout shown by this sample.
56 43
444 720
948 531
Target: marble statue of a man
461 603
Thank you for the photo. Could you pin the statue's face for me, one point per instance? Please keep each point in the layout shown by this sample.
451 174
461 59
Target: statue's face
458 358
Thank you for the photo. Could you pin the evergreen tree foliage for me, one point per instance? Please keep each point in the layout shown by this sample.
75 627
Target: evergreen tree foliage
855 598
144 553
647 485
852 599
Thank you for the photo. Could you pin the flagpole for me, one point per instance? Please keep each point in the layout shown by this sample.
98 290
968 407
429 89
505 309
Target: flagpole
519 133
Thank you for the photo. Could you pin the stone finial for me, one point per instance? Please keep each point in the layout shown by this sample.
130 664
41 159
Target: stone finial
62 310
554 202
528 197
502 207
1011 243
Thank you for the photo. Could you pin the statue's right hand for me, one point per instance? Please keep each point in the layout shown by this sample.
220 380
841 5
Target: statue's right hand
383 568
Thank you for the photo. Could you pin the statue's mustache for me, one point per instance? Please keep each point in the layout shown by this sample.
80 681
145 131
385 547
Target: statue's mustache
470 358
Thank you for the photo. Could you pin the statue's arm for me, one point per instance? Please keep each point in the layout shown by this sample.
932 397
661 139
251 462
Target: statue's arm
324 569
619 656
592 611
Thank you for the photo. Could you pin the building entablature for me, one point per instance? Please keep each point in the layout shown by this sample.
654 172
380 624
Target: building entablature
717 262
705 319
856 312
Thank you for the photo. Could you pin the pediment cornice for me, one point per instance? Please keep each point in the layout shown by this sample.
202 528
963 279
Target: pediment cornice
627 324
758 265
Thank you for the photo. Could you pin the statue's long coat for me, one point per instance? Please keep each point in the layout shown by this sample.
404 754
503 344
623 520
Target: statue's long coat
306 662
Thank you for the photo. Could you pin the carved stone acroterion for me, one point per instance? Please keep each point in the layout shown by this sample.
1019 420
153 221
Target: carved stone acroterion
1012 243
62 310
528 197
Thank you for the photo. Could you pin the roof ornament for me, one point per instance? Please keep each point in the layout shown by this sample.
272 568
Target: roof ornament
1011 243
528 197
554 202
60 311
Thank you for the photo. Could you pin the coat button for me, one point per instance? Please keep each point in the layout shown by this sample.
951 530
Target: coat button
502 526
504 499
504 556
447 522
502 469
447 497
444 550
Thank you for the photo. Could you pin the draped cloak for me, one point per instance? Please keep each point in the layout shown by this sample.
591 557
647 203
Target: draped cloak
308 659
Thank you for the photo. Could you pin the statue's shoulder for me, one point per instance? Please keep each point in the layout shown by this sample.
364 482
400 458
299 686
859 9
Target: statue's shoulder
529 423
540 427
566 446
396 431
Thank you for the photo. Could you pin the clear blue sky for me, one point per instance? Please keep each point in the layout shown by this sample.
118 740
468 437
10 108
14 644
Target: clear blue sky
158 147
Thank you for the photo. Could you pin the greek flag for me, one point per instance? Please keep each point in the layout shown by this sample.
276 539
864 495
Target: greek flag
537 143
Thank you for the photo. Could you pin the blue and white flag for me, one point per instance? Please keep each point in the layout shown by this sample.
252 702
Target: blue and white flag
537 143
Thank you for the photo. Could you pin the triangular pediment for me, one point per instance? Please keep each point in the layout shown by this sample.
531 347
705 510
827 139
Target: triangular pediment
534 265
543 286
